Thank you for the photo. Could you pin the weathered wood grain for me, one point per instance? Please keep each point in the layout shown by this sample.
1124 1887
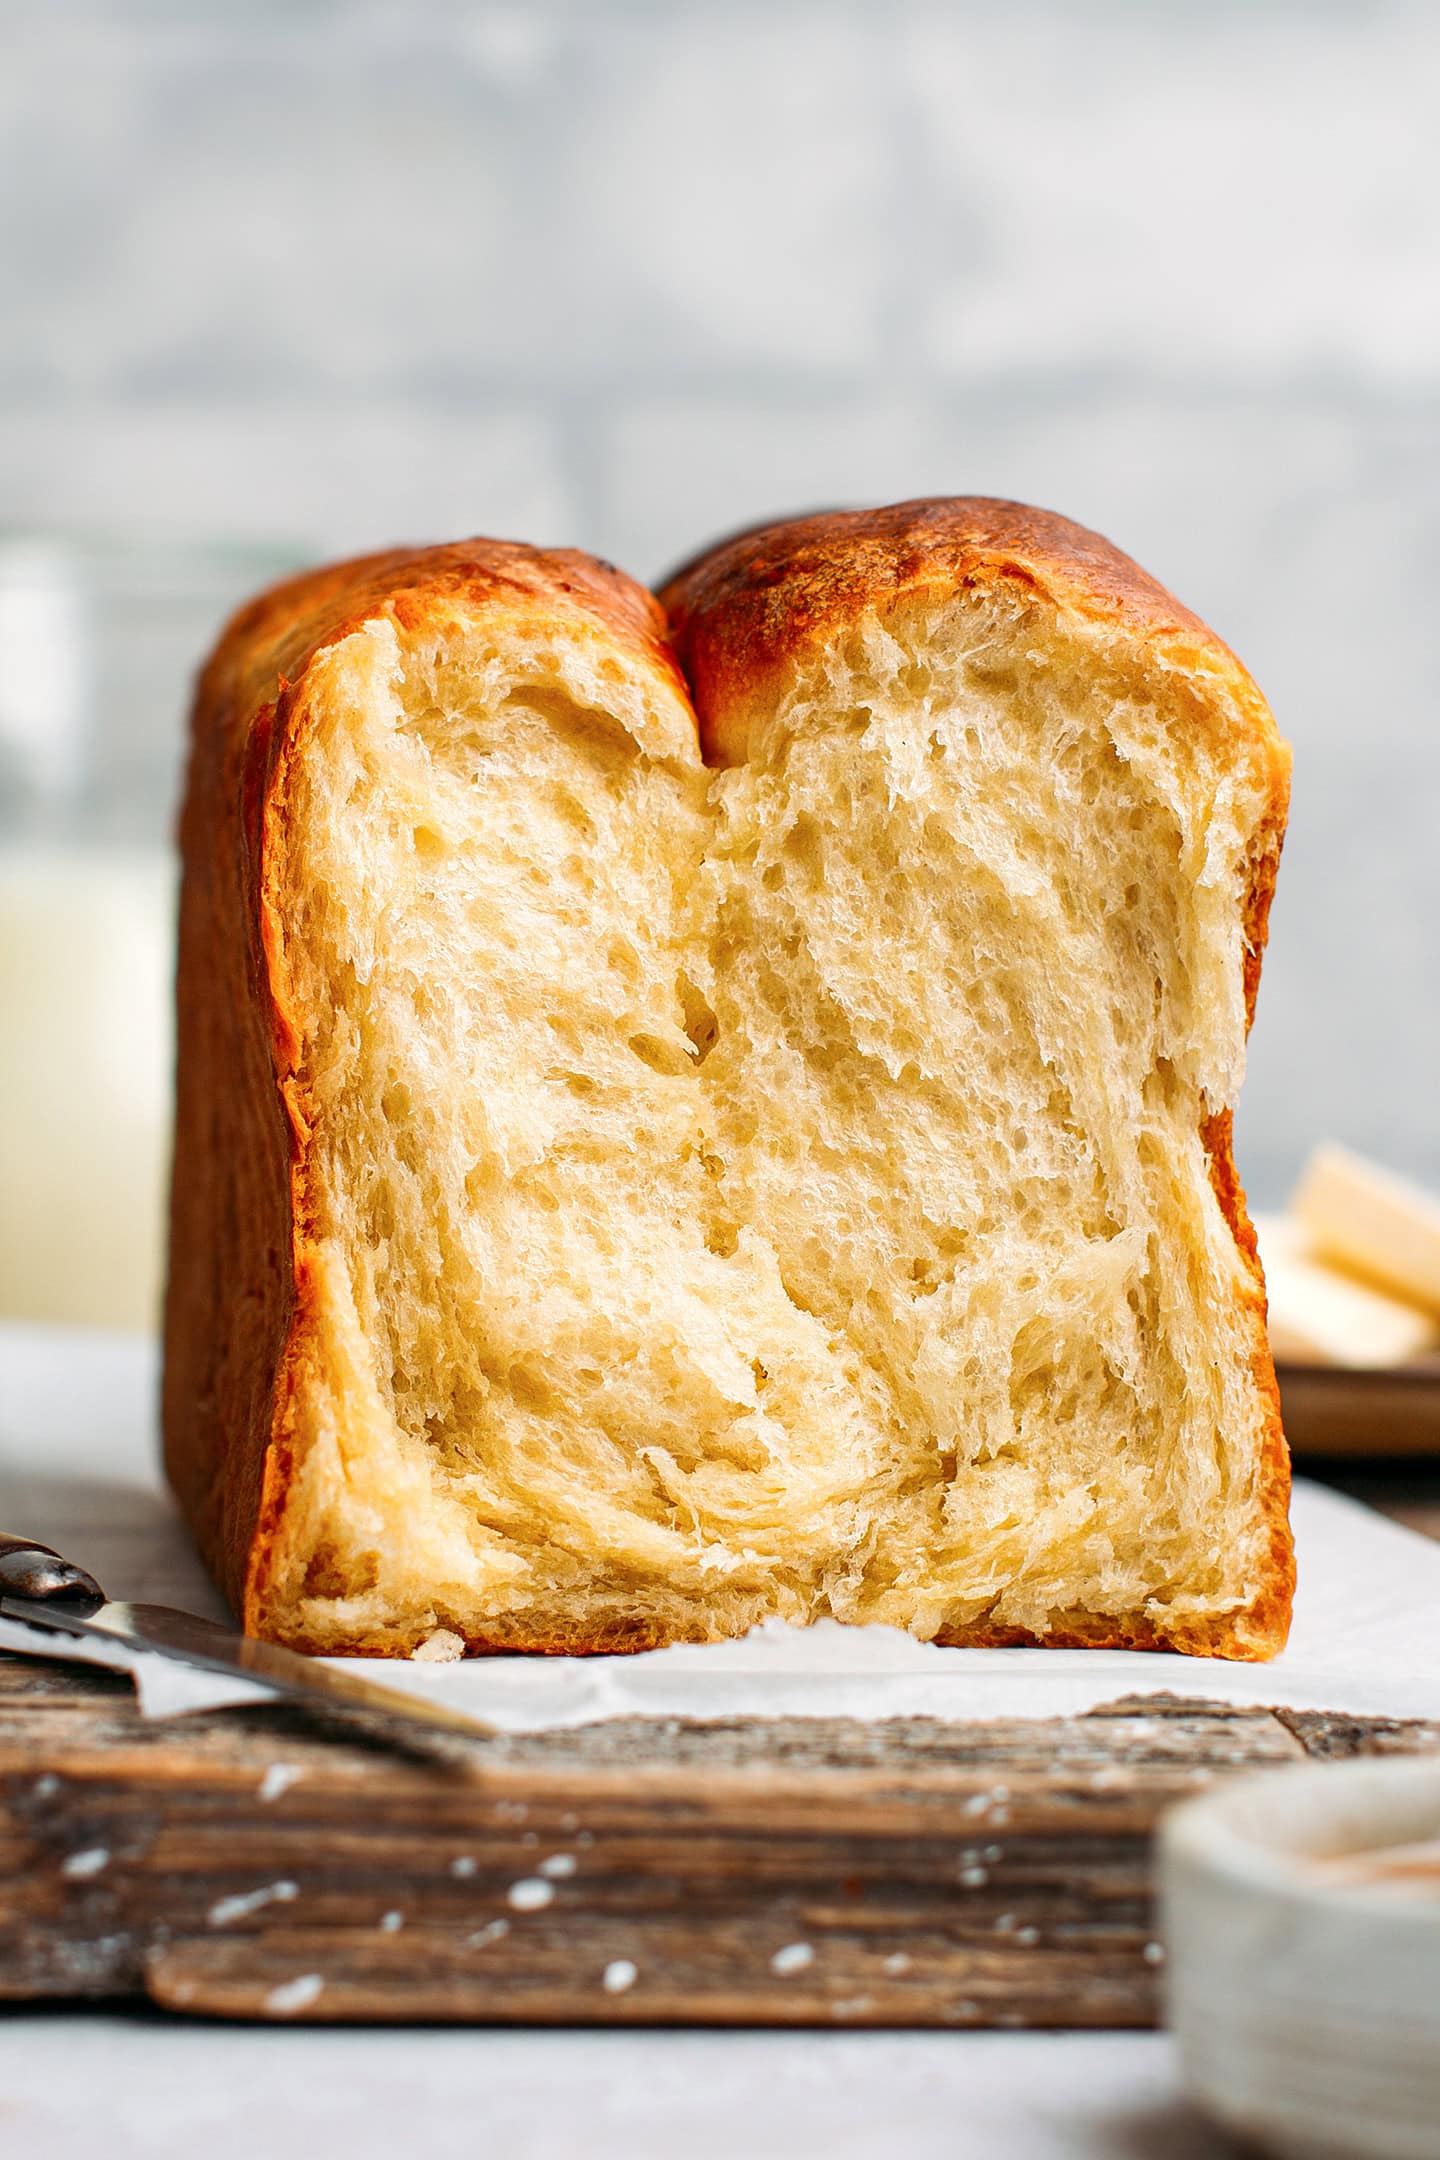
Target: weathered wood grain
793 1872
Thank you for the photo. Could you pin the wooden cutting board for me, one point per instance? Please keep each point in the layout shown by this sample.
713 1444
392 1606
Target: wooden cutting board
248 1863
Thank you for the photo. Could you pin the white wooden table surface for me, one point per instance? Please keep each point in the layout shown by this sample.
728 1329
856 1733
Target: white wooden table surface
82 2087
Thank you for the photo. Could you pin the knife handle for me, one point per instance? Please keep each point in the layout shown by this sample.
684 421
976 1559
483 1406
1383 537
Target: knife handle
31 1570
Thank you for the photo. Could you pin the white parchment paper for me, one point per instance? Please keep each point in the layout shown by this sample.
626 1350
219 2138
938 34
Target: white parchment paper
77 1469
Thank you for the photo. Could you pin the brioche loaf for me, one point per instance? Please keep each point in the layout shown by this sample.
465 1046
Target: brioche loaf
633 1179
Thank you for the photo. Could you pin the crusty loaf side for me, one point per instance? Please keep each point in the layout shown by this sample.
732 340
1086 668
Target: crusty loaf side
253 1363
1032 639
622 1194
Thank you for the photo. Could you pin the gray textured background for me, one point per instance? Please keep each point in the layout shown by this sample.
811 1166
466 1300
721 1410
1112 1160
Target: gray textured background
624 274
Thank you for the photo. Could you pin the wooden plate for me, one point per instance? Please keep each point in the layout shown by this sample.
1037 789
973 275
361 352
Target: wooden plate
1336 1410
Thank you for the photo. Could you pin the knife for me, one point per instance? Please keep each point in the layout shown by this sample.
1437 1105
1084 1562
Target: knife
46 1591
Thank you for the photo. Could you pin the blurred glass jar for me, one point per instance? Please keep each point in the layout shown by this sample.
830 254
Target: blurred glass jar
98 649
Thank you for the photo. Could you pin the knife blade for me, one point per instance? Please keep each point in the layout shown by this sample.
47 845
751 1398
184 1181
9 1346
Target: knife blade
71 1604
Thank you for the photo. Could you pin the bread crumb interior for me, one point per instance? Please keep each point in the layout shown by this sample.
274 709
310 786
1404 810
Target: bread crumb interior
774 1189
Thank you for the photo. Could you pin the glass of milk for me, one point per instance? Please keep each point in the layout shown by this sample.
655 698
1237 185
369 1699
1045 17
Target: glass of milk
98 648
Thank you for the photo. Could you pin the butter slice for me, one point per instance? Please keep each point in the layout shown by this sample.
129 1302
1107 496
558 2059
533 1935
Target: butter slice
1375 1224
1320 1317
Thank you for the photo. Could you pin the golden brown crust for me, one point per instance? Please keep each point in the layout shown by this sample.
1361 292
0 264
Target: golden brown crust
269 643
746 611
230 1295
624 1639
1267 1624
240 1311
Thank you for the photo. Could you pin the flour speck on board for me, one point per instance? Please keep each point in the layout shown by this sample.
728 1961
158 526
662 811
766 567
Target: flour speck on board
464 1865
226 1909
491 1932
558 1866
294 1995
793 1958
81 1865
619 1975
391 1923
529 1894
278 1779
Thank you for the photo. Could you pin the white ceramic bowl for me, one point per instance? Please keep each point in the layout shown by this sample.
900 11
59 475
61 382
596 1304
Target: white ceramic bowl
1307 2007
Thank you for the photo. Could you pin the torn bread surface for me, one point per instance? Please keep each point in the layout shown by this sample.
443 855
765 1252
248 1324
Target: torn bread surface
789 1184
